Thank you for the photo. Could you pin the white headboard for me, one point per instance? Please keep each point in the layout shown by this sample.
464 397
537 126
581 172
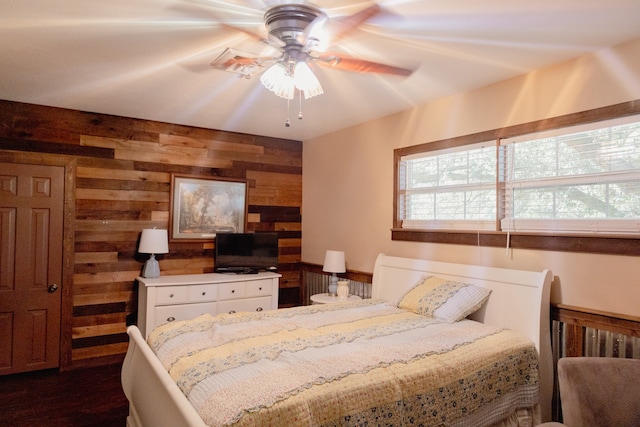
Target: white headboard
519 300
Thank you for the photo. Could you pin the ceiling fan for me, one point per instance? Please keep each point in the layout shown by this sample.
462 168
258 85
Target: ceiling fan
301 33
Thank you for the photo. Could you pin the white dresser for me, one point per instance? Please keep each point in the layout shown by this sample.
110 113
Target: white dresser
170 298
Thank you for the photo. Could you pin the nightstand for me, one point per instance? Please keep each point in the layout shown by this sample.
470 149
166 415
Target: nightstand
327 299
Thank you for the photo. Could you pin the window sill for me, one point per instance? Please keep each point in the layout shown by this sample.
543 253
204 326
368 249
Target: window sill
609 244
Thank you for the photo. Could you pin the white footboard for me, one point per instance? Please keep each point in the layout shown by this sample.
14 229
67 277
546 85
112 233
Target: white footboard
154 398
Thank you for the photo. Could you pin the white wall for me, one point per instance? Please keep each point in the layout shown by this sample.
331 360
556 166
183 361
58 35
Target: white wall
348 177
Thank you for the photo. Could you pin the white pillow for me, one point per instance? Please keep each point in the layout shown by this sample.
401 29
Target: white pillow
444 299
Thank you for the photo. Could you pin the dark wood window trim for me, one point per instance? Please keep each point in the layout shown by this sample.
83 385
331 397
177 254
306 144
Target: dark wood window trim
614 244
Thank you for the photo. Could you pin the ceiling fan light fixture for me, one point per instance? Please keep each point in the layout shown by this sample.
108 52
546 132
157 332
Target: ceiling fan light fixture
306 81
278 80
300 32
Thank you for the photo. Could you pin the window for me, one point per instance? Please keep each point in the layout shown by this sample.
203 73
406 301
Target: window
580 179
453 189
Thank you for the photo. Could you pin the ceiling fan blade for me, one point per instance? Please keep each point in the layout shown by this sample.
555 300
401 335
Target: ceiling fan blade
340 27
322 31
347 63
230 60
237 60
313 33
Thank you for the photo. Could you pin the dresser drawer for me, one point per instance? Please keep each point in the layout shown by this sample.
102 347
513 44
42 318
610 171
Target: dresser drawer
173 313
248 304
172 295
258 288
231 290
203 293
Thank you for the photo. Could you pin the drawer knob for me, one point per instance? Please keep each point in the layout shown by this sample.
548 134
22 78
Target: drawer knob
232 311
171 319
204 293
170 295
259 309
260 288
233 291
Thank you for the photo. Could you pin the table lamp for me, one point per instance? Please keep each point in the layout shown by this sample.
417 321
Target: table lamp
334 263
153 241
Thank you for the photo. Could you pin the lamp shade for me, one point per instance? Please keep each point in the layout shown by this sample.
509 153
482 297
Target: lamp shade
306 81
153 241
334 262
278 81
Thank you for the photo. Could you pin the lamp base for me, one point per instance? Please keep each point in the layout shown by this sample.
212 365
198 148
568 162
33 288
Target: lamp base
151 268
333 285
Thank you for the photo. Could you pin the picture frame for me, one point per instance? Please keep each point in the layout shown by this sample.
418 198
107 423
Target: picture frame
204 206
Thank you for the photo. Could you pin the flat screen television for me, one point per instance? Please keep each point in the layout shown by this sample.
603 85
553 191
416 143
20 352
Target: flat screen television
246 253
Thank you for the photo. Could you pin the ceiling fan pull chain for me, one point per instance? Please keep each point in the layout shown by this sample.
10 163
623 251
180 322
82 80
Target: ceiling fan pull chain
288 122
300 111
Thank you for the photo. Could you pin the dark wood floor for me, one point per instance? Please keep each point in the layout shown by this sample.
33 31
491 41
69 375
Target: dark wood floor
84 397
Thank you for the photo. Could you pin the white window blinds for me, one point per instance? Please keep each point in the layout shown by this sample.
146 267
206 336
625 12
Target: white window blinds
581 179
449 189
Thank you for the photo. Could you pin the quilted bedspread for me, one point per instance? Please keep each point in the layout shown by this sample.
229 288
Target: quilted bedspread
354 363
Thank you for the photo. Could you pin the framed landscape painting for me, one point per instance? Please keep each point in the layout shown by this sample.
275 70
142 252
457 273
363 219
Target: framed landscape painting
202 207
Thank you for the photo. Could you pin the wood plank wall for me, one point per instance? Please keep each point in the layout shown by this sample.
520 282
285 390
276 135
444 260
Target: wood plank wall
122 185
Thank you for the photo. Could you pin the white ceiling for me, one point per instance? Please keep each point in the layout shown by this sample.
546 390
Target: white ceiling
150 58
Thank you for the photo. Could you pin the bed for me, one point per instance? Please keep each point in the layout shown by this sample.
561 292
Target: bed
403 357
